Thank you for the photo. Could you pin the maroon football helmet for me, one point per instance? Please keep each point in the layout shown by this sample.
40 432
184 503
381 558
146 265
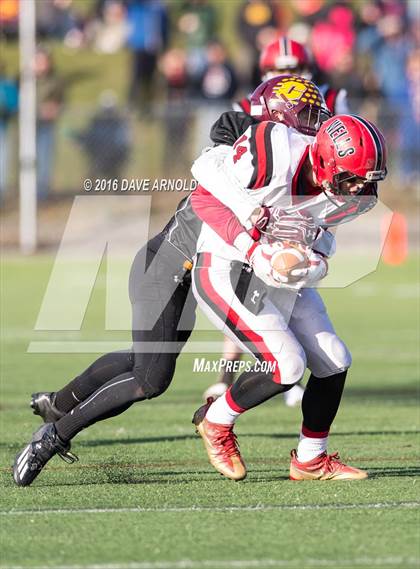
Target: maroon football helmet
292 100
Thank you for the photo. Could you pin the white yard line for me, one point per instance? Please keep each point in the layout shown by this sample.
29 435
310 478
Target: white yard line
257 508
241 564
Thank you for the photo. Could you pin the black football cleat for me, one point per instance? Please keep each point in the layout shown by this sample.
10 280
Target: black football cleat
45 443
43 404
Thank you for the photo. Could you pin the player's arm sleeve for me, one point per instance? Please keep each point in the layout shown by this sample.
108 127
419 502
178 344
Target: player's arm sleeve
222 220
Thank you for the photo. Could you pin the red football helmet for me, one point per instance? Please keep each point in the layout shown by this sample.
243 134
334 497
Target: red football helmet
285 56
348 156
292 100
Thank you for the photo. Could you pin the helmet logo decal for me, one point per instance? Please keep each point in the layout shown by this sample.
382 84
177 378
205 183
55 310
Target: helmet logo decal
338 134
297 90
290 90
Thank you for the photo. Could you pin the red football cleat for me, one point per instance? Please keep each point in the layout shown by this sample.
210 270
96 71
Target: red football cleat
324 467
221 445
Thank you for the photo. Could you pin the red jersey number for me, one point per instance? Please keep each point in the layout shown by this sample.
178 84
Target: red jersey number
240 150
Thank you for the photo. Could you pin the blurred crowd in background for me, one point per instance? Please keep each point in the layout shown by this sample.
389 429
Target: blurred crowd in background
185 66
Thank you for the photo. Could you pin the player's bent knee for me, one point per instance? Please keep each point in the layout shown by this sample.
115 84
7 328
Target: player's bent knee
341 355
333 356
152 391
153 387
292 368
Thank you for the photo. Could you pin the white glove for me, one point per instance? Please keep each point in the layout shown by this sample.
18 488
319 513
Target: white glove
317 270
283 226
260 261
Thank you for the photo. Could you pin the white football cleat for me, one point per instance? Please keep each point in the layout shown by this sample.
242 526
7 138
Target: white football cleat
293 397
215 390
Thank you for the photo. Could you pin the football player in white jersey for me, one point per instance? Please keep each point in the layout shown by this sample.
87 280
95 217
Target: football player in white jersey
282 56
327 180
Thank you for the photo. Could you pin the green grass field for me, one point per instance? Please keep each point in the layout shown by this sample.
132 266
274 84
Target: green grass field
143 495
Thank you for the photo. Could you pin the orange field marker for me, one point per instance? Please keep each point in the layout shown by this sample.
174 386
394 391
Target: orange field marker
395 249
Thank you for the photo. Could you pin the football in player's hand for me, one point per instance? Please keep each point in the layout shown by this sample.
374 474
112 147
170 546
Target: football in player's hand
290 264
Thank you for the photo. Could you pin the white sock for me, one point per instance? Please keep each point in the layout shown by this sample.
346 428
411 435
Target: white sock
310 447
221 412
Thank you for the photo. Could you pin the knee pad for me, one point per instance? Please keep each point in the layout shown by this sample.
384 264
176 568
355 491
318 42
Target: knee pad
333 356
292 367
340 354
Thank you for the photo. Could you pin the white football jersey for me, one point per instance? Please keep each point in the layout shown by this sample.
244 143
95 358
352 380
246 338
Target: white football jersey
264 167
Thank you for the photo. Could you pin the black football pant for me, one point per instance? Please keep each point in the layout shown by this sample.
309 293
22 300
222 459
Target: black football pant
163 317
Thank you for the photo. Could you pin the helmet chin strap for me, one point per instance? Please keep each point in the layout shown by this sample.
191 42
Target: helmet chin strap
356 200
326 191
